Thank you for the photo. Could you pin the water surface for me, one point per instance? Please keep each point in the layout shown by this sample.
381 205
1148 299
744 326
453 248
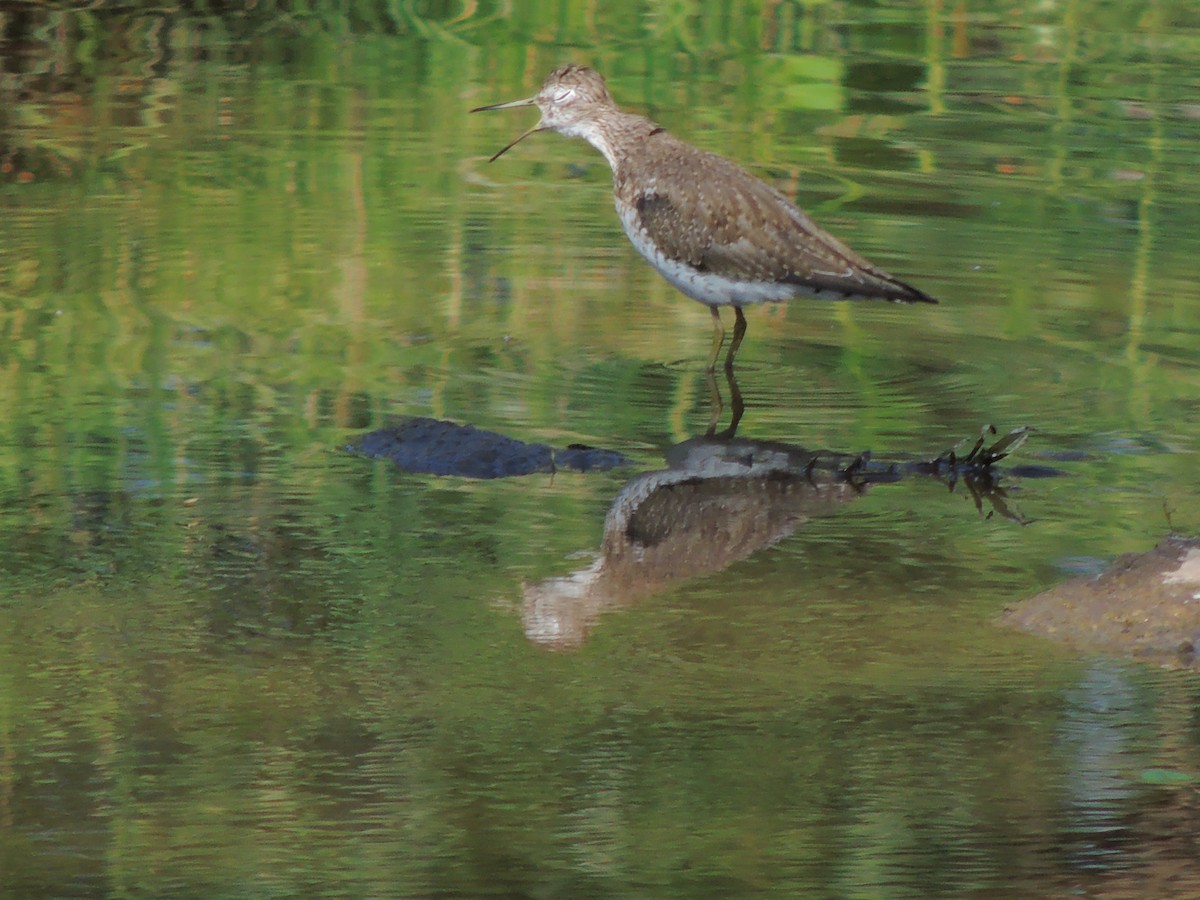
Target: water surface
238 661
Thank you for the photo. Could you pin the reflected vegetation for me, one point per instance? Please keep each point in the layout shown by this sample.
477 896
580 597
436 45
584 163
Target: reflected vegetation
238 661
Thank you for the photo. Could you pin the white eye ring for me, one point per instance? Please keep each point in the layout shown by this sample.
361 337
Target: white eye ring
564 95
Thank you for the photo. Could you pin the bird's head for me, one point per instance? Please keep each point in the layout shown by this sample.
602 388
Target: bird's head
569 101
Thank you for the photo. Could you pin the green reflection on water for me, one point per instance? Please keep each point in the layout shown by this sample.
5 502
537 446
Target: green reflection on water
238 662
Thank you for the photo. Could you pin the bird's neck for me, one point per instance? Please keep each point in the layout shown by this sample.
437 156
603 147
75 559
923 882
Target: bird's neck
616 135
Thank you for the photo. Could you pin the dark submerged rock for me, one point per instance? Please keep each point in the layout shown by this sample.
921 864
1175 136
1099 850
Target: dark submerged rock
436 447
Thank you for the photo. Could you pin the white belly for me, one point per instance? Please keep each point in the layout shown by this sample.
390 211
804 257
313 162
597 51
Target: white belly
708 288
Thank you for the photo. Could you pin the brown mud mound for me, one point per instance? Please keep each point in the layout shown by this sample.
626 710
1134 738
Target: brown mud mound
1144 605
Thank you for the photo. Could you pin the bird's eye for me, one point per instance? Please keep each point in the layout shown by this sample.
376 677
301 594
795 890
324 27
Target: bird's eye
564 94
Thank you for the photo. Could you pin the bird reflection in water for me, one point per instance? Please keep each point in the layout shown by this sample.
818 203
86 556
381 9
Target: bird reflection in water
720 501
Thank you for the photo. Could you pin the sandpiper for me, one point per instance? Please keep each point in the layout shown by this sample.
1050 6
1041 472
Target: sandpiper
713 230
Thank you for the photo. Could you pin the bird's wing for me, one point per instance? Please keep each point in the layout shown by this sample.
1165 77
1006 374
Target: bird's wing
706 211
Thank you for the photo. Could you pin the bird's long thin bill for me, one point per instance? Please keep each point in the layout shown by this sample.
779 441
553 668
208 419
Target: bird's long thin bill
537 127
511 104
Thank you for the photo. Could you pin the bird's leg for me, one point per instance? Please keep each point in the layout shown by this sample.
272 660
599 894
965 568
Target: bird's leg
717 340
739 332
